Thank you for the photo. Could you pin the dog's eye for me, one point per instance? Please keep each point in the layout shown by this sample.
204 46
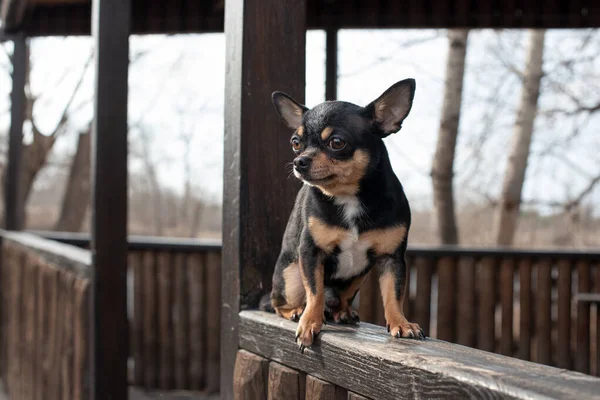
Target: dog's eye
337 144
295 143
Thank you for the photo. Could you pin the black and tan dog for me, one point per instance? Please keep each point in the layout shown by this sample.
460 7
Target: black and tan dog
350 215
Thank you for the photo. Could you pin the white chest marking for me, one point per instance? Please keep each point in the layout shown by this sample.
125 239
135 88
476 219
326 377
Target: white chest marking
352 259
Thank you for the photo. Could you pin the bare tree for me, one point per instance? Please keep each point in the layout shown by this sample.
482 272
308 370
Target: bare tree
78 192
510 201
443 161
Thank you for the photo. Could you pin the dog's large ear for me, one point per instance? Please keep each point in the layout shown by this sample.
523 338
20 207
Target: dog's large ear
288 109
392 107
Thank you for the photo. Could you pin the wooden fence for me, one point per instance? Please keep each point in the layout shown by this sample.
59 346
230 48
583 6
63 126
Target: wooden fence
174 310
512 302
367 363
45 314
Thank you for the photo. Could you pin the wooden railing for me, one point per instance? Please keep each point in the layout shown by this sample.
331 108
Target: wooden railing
174 310
367 363
512 302
45 314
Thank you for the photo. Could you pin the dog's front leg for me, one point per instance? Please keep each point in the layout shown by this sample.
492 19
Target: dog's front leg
312 269
392 282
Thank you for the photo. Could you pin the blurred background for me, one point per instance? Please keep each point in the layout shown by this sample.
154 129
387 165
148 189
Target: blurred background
176 94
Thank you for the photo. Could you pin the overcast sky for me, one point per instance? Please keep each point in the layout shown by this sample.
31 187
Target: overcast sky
178 84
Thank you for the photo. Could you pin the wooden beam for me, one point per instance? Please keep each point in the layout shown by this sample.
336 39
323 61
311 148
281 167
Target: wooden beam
265 52
13 212
367 361
110 28
331 63
12 13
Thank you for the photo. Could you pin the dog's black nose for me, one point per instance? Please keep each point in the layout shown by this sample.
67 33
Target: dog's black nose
302 163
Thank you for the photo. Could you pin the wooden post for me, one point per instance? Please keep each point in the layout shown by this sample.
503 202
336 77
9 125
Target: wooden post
13 211
266 42
331 63
110 338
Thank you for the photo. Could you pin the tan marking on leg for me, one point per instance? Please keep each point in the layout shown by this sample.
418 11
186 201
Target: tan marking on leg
300 131
294 287
326 237
290 313
386 240
397 323
325 133
312 319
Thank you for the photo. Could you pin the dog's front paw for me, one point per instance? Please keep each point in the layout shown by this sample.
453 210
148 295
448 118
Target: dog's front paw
405 329
308 329
346 316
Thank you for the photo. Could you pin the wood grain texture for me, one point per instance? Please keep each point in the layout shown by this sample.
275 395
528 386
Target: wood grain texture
317 389
563 348
197 289
150 321
543 316
487 304
180 322
447 291
256 188
165 325
411 367
284 383
425 268
525 304
213 321
506 301
466 306
250 377
136 265
582 356
354 396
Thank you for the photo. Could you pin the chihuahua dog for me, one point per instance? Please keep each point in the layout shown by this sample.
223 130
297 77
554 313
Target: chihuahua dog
351 214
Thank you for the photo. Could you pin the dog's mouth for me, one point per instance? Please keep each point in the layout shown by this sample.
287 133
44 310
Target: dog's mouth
306 177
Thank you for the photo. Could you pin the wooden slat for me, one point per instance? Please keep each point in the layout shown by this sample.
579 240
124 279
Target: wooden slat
582 357
317 389
81 359
41 332
598 320
525 305
487 304
181 322
136 264
197 289
506 299
213 321
465 333
250 377
165 340
447 286
54 335
15 332
563 345
423 300
543 324
66 364
365 360
151 332
29 294
284 383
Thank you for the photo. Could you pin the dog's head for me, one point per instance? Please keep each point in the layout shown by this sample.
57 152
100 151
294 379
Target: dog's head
336 142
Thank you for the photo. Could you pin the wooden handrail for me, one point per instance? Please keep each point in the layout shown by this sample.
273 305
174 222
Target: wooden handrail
366 360
139 242
76 260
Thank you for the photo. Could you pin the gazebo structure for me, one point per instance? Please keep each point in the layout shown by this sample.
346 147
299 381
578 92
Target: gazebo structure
265 42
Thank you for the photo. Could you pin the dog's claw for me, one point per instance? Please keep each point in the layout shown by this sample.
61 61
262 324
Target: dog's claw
302 348
388 328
